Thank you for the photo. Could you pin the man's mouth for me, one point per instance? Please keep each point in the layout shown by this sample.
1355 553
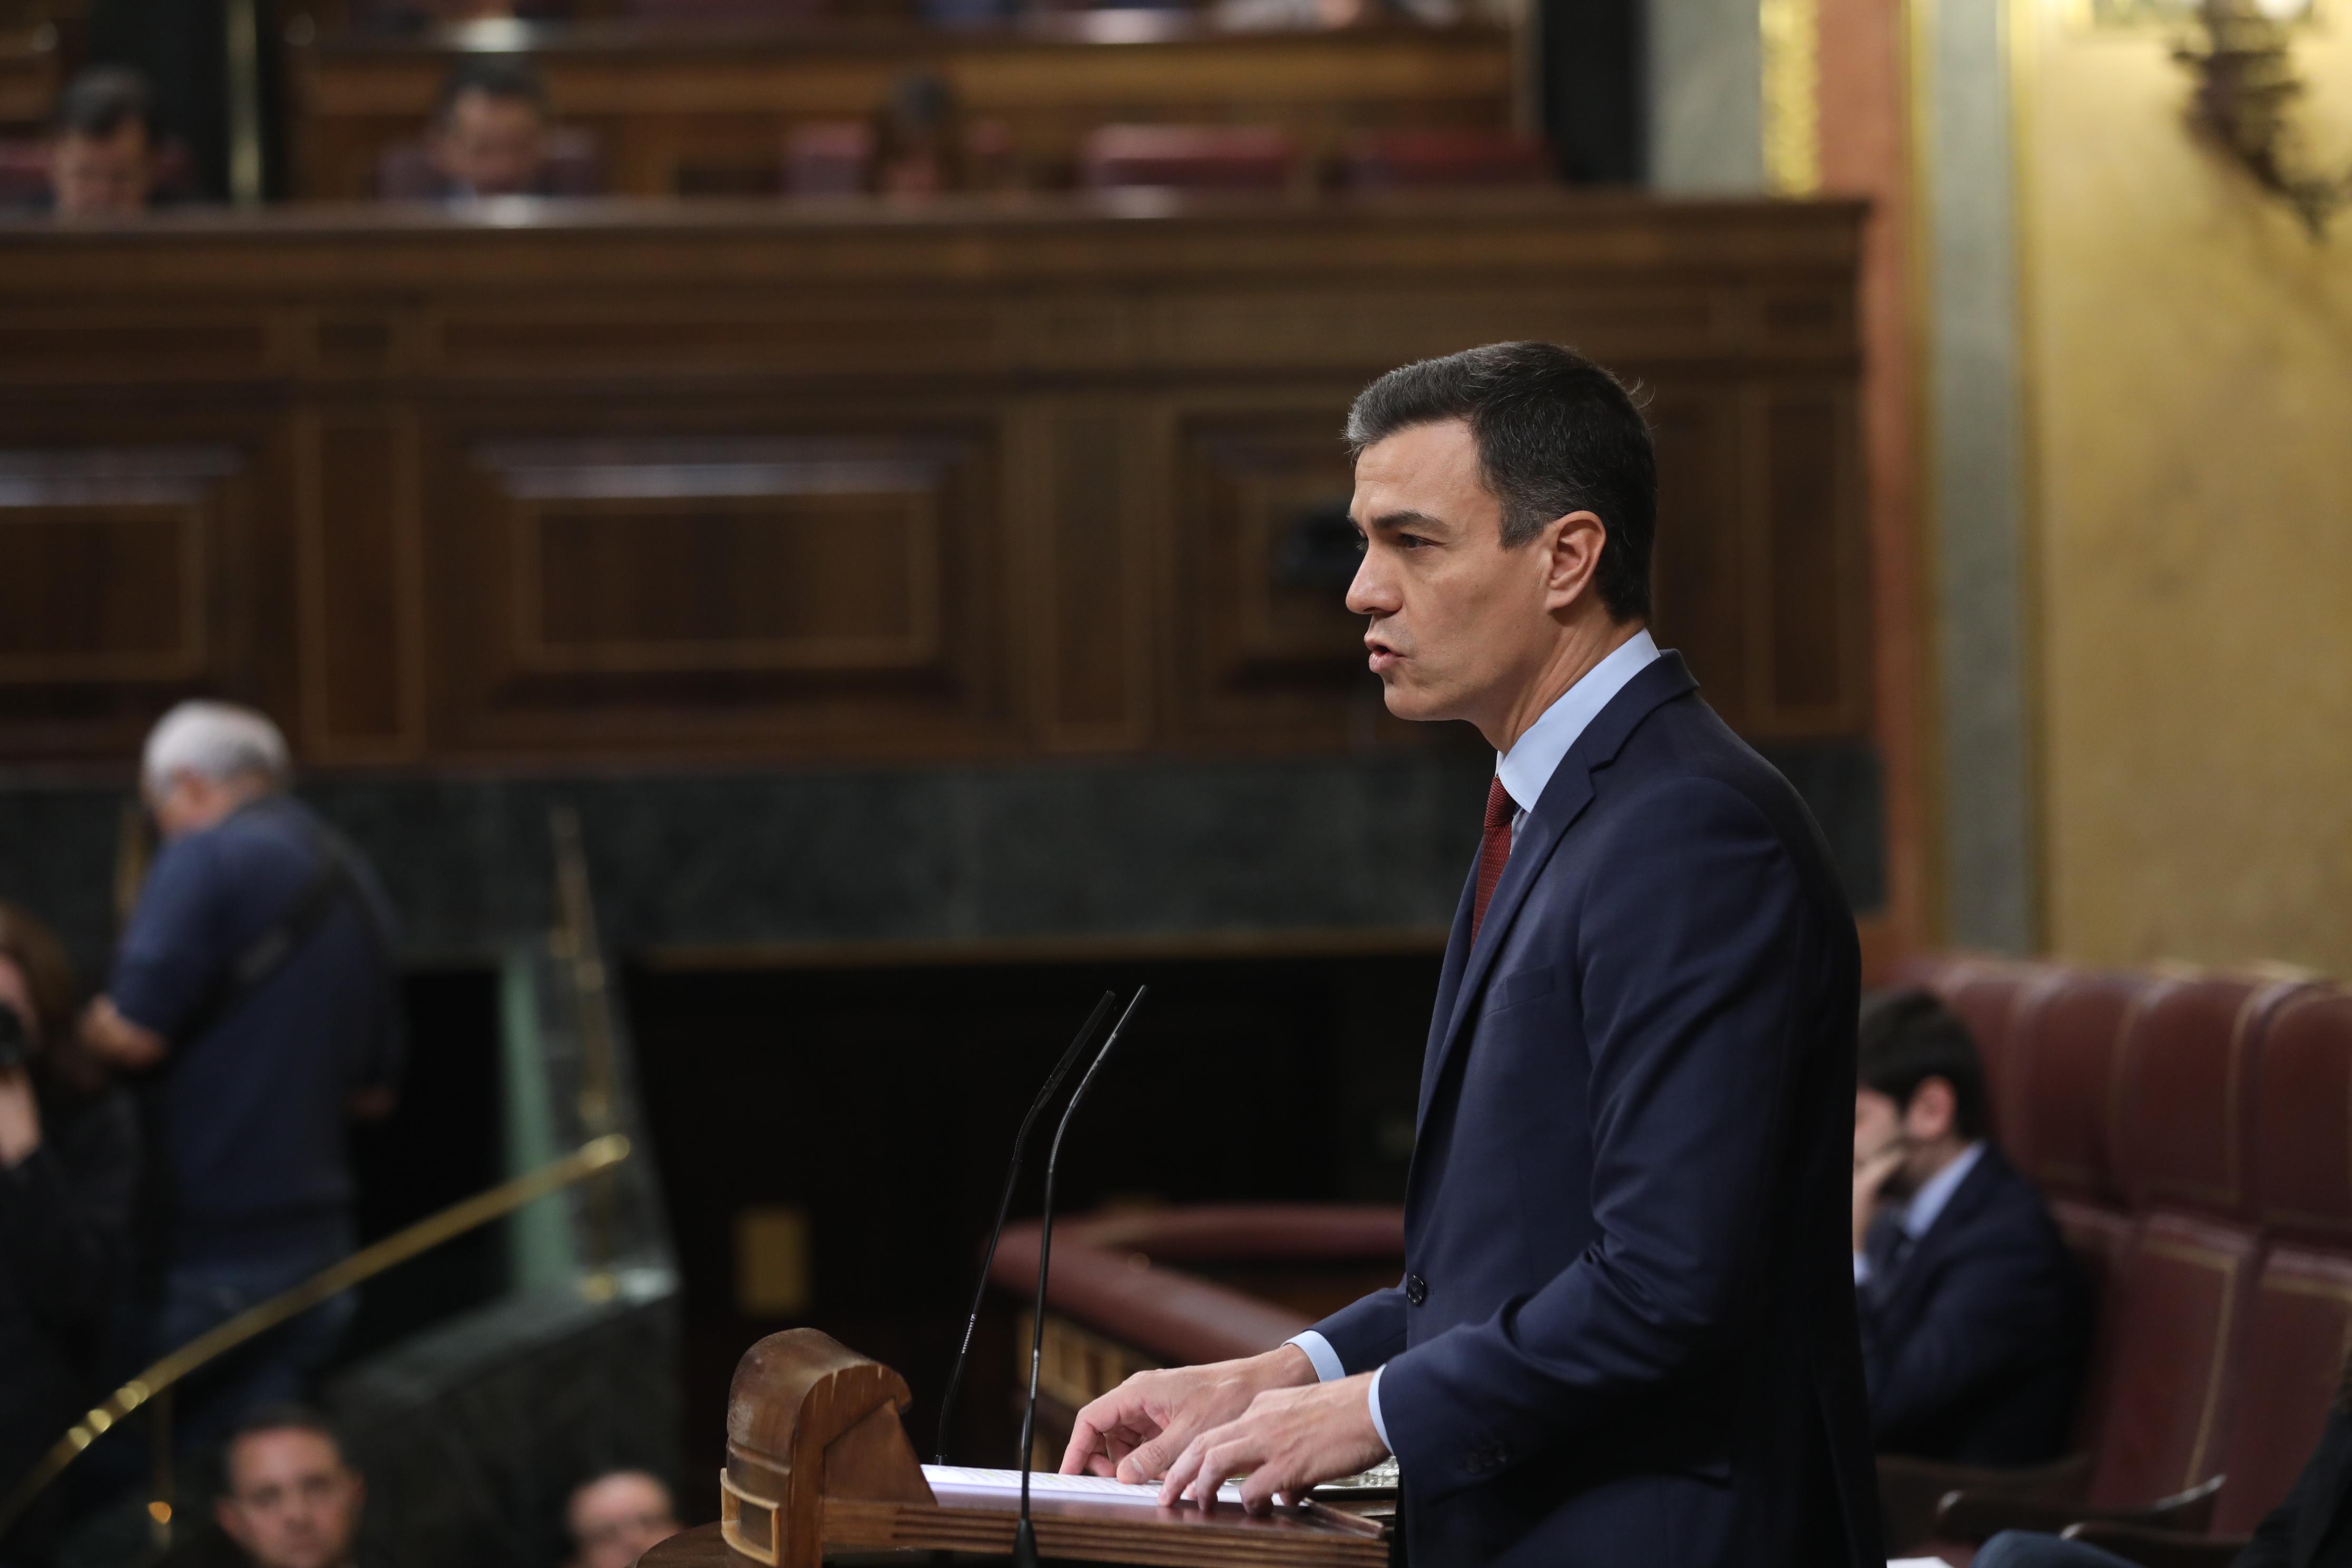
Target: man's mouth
1384 657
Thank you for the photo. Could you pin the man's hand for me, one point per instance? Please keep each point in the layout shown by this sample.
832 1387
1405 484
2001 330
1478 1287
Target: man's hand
20 1116
1286 1441
1135 1430
1870 1175
117 1041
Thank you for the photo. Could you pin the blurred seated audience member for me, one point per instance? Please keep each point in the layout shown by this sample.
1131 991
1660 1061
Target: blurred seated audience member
287 1498
618 1518
102 146
2312 1527
490 132
1974 1320
918 142
68 1174
253 993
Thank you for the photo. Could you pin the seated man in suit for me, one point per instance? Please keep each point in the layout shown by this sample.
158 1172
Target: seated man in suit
102 146
1973 1313
1622 1336
490 132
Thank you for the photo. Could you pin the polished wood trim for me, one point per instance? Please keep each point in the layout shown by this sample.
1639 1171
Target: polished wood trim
1309 943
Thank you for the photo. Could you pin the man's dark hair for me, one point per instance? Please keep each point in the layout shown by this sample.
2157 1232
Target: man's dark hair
100 101
1910 1036
283 1416
1556 434
494 77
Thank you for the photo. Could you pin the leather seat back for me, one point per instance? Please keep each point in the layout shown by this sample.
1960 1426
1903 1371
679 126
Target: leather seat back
2180 1139
2299 1323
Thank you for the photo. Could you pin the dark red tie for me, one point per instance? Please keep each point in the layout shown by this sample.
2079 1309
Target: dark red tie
1493 850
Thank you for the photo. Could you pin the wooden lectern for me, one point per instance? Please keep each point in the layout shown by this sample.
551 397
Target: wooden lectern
818 1461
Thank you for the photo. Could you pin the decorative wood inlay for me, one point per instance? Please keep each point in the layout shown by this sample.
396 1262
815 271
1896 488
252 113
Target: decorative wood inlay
106 563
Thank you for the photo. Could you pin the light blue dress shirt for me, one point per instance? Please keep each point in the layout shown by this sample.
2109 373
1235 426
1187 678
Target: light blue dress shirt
1919 1214
1526 769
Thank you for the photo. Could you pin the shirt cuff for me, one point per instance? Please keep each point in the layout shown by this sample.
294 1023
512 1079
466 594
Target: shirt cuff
1861 1269
1328 1370
1319 1350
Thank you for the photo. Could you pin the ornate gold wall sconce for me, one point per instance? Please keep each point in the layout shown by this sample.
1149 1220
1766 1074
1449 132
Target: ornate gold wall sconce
2246 82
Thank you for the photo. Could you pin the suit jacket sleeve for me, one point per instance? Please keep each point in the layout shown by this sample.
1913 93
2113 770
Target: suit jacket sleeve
1367 1332
1699 958
2002 1304
2314 1499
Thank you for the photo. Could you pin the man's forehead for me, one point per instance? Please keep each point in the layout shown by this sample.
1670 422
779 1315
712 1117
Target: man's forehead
1427 469
259 1455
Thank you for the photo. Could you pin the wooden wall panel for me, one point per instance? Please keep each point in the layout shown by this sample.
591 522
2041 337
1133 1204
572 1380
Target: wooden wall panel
876 482
1698 567
658 590
113 568
363 698
1266 649
1093 580
1807 654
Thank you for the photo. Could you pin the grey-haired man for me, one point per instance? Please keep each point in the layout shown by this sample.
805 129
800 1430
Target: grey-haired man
254 988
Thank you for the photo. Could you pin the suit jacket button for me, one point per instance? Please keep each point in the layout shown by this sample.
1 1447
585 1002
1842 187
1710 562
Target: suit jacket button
1416 1289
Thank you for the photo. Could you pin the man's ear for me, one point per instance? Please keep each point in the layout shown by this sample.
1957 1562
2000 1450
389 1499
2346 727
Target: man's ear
1934 1110
1572 545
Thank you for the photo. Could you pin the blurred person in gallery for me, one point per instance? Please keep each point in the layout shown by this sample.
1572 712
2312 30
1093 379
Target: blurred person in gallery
68 1172
616 1518
1975 1322
102 146
254 994
289 1498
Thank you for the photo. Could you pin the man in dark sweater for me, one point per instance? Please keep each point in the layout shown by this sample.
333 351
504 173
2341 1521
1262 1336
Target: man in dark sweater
1974 1320
254 988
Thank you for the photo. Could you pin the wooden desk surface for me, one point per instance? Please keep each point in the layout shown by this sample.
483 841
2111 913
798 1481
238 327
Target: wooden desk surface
701 1548
682 109
856 482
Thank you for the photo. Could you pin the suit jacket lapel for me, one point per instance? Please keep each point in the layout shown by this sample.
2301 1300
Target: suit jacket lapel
1449 982
1973 1193
1564 800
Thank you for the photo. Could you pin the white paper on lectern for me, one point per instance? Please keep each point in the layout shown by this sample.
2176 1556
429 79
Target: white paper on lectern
1094 1488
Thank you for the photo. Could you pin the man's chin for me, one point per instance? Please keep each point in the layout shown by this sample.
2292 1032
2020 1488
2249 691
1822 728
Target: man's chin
1409 702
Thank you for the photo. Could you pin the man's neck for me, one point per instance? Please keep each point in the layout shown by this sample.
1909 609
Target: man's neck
1569 660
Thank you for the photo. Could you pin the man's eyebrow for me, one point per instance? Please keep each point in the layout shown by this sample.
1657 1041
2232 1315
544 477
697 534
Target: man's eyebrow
1390 521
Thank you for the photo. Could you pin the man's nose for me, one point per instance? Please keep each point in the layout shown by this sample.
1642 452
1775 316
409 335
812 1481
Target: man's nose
1369 593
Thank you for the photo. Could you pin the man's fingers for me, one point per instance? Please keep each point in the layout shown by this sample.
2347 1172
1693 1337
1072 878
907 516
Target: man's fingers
1268 1483
1220 1463
1147 1461
1180 1471
1084 1441
1109 1426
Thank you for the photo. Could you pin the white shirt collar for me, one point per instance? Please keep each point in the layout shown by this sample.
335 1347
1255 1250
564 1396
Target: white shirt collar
1937 1191
1535 757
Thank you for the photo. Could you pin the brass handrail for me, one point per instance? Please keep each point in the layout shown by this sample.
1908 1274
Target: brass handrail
494 1203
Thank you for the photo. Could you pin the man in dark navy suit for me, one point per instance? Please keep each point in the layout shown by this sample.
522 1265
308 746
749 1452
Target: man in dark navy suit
1974 1320
1625 1335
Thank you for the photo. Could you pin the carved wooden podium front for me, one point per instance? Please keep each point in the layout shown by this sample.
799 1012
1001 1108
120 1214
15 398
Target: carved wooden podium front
818 1462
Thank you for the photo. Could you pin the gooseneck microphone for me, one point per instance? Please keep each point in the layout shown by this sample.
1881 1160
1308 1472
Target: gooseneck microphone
1024 1537
1012 1176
